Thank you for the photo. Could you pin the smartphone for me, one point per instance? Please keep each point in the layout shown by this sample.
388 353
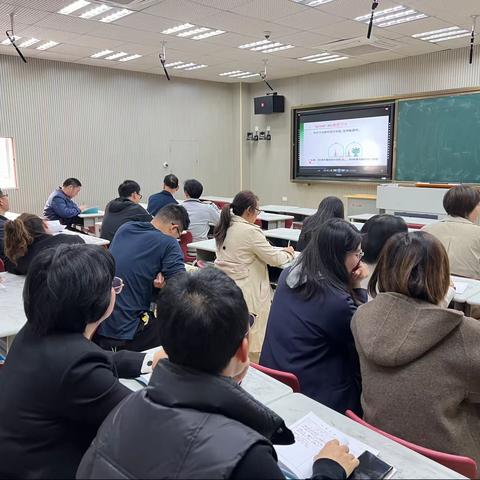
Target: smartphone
370 468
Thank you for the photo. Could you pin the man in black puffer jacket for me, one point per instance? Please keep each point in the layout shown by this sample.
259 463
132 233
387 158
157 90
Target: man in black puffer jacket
194 420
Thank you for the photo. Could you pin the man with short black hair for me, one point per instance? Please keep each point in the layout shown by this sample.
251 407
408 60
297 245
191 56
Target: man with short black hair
146 255
60 205
4 206
158 200
123 209
201 214
195 420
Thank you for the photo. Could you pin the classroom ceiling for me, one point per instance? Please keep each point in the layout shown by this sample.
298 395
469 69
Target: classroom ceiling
209 46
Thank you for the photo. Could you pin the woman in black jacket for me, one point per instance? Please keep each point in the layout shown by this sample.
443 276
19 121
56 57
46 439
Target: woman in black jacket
57 386
26 237
308 331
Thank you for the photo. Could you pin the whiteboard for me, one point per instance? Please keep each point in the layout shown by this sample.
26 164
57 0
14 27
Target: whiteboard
8 173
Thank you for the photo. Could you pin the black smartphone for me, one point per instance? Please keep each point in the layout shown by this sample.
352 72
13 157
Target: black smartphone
370 468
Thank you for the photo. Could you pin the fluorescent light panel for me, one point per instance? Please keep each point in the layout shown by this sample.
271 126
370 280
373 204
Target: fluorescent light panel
7 41
173 64
115 16
442 35
278 49
29 43
130 57
238 74
392 16
265 46
196 67
101 54
93 12
189 33
185 65
212 33
336 59
47 45
323 58
116 55
255 44
194 32
312 3
178 28
73 7
250 76
226 74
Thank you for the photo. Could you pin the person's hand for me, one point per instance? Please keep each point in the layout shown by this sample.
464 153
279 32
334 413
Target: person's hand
289 250
157 356
83 207
359 273
238 378
159 281
340 454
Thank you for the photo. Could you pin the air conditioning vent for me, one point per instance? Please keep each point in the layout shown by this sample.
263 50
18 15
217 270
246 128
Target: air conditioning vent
354 47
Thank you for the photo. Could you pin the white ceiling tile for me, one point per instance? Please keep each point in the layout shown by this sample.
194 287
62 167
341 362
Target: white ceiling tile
183 10
72 50
142 21
95 42
26 16
304 39
342 30
43 33
309 19
44 5
227 5
138 48
66 23
269 10
350 9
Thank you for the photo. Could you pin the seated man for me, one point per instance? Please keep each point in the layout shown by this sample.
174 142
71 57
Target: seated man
4 206
201 214
123 209
165 197
194 420
146 254
60 205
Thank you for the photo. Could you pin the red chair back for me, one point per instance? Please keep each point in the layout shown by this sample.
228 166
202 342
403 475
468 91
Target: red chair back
2 266
185 239
288 223
463 465
285 377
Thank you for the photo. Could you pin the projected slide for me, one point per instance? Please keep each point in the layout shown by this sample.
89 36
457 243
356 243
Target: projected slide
349 142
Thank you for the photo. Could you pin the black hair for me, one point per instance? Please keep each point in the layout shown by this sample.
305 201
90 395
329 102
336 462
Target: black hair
128 188
376 231
71 182
323 260
174 213
243 201
461 201
68 287
203 318
329 207
193 188
171 181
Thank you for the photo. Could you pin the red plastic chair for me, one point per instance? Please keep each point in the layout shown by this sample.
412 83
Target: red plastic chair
285 377
258 222
463 465
185 239
2 266
288 223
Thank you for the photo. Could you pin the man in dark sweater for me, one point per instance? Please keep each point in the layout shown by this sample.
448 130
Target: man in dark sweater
158 200
4 206
195 420
123 209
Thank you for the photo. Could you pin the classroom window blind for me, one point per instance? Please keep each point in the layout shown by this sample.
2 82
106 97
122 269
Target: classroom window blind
8 171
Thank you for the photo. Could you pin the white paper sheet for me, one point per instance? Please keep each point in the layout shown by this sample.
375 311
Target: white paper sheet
460 287
311 434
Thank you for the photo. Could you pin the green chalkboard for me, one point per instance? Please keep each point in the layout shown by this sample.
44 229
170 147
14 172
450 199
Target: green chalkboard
438 139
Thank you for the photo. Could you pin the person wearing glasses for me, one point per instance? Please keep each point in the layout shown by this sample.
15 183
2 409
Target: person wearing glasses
243 253
308 331
57 386
4 206
146 255
195 420
125 208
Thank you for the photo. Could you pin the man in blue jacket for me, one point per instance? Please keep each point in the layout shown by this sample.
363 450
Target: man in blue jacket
60 205
158 200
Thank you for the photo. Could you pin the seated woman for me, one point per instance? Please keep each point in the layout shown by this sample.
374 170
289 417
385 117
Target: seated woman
26 237
330 207
243 253
57 386
459 232
420 362
376 232
308 330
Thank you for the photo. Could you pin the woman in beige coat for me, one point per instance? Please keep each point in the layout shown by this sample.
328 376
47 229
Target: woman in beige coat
243 253
420 362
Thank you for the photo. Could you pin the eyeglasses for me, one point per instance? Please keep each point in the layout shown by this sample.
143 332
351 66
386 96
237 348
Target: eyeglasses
177 228
359 254
251 322
140 195
258 210
117 285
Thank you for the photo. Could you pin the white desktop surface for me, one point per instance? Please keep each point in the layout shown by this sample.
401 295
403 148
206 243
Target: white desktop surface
363 217
273 217
289 234
289 209
204 245
213 198
12 317
90 239
12 215
407 463
471 294
100 214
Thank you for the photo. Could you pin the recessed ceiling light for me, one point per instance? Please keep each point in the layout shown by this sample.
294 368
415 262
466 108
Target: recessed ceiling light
189 33
312 3
212 33
326 57
196 67
130 57
277 49
323 58
264 47
255 44
226 74
47 45
173 64
249 76
336 59
392 16
93 12
101 54
178 28
29 43
185 65
317 55
238 74
116 55
8 42
442 35
73 7
115 16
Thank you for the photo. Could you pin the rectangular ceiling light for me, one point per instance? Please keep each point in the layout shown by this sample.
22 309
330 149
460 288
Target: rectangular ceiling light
116 15
312 3
323 58
233 72
29 43
333 59
255 44
238 74
116 55
178 28
173 64
392 16
442 35
314 57
212 33
47 45
130 57
73 7
196 67
278 49
189 33
7 41
101 54
93 12
249 76
185 65
265 46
